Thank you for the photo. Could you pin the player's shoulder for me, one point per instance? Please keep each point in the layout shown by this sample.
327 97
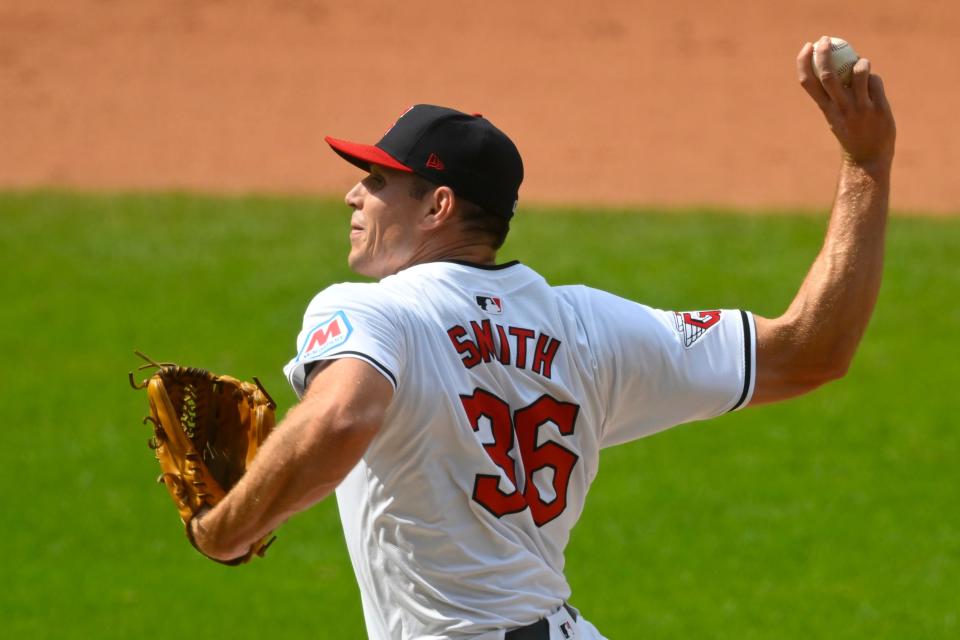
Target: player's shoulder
574 293
341 290
606 314
596 301
359 296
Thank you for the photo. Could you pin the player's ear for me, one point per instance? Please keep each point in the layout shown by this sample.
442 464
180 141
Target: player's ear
442 202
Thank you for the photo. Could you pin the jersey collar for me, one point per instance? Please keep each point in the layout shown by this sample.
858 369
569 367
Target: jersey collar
486 267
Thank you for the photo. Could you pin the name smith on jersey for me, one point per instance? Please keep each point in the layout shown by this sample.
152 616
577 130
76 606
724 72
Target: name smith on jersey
487 342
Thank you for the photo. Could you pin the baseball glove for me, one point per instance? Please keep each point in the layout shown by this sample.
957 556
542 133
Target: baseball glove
206 431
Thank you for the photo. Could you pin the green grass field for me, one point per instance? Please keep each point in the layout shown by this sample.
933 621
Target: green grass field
832 516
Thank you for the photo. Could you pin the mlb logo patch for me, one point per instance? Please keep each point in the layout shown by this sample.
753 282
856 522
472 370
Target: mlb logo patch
330 333
692 325
489 303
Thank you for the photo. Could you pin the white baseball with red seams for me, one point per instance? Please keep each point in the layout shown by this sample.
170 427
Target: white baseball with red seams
842 59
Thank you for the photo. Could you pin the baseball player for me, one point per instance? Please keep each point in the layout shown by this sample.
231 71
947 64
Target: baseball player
458 406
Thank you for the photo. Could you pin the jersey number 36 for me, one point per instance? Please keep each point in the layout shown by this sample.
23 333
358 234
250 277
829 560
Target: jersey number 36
523 426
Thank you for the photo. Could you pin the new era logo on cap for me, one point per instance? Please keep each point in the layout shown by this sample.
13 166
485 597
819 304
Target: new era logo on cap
434 162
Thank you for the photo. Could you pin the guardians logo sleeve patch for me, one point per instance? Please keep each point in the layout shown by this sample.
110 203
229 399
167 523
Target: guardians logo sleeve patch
693 325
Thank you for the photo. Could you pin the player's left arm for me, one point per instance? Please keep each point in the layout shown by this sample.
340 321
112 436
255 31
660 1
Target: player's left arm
303 460
814 341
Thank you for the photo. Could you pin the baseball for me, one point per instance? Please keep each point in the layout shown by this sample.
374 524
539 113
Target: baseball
842 59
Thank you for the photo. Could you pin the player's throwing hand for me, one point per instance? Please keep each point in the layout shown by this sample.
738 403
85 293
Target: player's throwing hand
859 115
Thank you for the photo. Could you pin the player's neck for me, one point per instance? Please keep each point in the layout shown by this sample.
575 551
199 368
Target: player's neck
462 251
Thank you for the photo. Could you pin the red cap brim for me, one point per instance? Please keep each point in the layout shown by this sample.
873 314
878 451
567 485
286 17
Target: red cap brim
363 155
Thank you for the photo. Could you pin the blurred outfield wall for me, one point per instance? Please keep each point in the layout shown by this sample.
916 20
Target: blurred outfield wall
611 102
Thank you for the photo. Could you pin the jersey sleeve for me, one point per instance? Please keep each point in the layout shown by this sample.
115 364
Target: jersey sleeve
348 321
658 369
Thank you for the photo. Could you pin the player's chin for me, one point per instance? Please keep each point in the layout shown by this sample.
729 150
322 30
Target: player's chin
355 259
360 263
367 265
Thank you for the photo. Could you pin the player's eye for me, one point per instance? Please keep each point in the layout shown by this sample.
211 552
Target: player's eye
373 182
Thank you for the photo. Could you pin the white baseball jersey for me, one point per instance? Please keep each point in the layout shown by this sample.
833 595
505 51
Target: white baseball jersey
506 389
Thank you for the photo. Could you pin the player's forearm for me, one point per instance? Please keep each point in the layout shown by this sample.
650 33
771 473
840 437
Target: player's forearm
814 341
301 463
824 324
841 289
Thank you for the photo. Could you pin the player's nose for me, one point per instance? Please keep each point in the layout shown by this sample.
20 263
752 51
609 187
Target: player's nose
354 196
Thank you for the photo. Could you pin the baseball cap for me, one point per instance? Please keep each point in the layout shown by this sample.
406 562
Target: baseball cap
448 147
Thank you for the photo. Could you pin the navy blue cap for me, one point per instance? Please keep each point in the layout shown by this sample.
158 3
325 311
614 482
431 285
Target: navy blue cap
464 152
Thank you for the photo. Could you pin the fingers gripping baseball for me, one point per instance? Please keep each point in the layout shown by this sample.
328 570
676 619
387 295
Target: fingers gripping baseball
859 115
860 82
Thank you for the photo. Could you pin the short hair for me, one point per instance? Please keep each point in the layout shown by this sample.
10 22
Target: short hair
474 218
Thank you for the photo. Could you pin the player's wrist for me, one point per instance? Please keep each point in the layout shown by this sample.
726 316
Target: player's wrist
198 537
202 540
877 167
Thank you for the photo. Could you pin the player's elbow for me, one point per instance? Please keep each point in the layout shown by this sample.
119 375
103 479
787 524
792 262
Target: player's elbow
792 360
772 386
820 372
836 370
815 379
832 364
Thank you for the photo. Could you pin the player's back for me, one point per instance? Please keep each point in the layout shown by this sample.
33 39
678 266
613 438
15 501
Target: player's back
467 496
505 389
